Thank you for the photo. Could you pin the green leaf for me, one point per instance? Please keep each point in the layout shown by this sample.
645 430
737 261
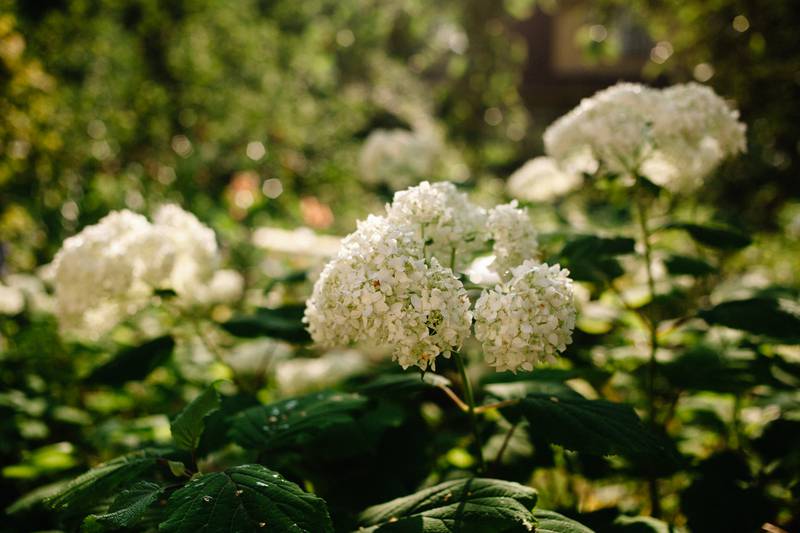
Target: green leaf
244 499
285 323
584 246
552 522
640 524
684 265
187 428
590 426
779 318
134 363
102 481
702 368
714 236
36 497
127 509
403 385
591 258
474 505
297 421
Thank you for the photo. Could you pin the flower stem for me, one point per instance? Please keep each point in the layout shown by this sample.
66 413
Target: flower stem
471 404
652 326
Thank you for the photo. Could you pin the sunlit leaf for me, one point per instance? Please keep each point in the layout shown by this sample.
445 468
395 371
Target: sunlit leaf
244 499
474 505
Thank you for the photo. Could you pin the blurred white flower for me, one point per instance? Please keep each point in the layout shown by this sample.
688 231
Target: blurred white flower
442 217
12 300
542 180
399 158
380 288
194 247
299 241
303 374
33 289
514 237
109 271
675 136
224 287
480 271
527 320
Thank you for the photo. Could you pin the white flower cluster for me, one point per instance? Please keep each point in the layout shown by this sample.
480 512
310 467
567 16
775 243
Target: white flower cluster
443 218
383 287
380 287
528 319
541 180
676 135
109 270
398 158
514 237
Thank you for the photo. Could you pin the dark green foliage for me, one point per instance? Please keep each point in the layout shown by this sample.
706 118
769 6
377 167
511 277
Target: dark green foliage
761 316
473 505
187 428
714 236
89 489
685 265
127 509
244 499
299 421
285 323
552 522
134 363
589 426
592 258
724 498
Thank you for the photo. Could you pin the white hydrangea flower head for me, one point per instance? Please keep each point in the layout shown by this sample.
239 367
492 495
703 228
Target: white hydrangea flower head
442 216
194 244
613 125
380 288
107 271
514 237
528 319
675 136
110 270
694 131
541 180
398 158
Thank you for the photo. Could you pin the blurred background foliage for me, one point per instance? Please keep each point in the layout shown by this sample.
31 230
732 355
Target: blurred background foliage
253 113
128 103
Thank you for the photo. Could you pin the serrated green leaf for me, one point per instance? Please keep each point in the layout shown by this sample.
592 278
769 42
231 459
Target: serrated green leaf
474 505
590 426
684 265
36 497
187 428
249 498
102 481
134 363
296 421
285 323
779 318
127 509
714 236
552 522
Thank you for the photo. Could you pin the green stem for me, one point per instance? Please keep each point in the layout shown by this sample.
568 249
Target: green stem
471 404
652 326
